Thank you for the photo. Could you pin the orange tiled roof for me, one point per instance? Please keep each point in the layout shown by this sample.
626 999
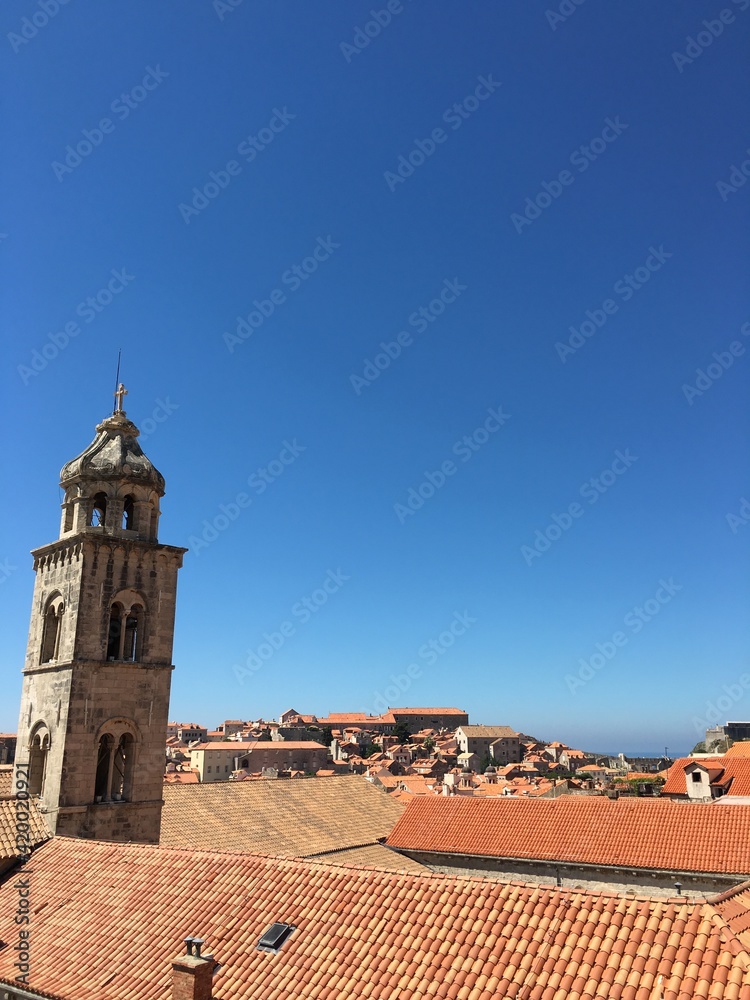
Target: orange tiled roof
498 732
427 711
38 831
242 748
639 833
741 749
181 778
6 781
293 818
339 718
359 934
737 768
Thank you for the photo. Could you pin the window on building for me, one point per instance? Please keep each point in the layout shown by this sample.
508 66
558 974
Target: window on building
98 510
51 629
125 635
697 776
68 516
128 514
38 761
114 767
208 769
122 768
132 636
115 632
103 760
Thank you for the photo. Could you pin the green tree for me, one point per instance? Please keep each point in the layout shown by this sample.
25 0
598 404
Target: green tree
401 732
323 735
699 747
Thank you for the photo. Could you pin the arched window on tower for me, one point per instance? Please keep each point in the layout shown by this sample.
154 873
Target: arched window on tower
98 510
69 511
114 637
128 514
122 768
103 768
127 619
38 760
133 637
115 762
51 629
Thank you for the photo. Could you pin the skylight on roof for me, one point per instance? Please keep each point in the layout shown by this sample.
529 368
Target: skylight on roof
275 936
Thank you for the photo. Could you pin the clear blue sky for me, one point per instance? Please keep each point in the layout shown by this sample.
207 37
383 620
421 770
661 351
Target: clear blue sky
479 106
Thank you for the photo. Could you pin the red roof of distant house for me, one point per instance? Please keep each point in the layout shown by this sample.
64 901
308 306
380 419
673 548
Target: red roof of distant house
243 748
639 833
181 778
741 749
733 772
428 711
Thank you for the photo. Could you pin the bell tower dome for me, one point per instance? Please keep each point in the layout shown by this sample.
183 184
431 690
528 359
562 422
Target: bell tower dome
98 668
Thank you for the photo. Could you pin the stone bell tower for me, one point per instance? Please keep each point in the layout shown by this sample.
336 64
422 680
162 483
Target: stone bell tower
98 668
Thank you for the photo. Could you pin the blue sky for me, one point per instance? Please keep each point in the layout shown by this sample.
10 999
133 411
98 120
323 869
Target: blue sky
349 282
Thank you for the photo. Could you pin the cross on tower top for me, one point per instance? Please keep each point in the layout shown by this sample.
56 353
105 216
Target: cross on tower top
119 396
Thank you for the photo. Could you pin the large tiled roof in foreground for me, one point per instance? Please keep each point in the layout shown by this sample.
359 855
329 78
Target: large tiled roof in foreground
638 833
108 919
285 818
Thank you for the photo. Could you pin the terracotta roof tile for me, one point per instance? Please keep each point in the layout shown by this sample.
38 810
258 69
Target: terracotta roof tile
6 781
359 933
498 732
639 833
290 818
735 768
38 831
427 711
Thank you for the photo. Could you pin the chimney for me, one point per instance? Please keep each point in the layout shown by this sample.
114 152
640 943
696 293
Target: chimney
192 974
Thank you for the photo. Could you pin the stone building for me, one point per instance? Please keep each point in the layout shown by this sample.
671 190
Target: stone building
96 683
499 742
216 761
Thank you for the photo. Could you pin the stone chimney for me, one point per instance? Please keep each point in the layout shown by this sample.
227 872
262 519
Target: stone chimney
192 974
